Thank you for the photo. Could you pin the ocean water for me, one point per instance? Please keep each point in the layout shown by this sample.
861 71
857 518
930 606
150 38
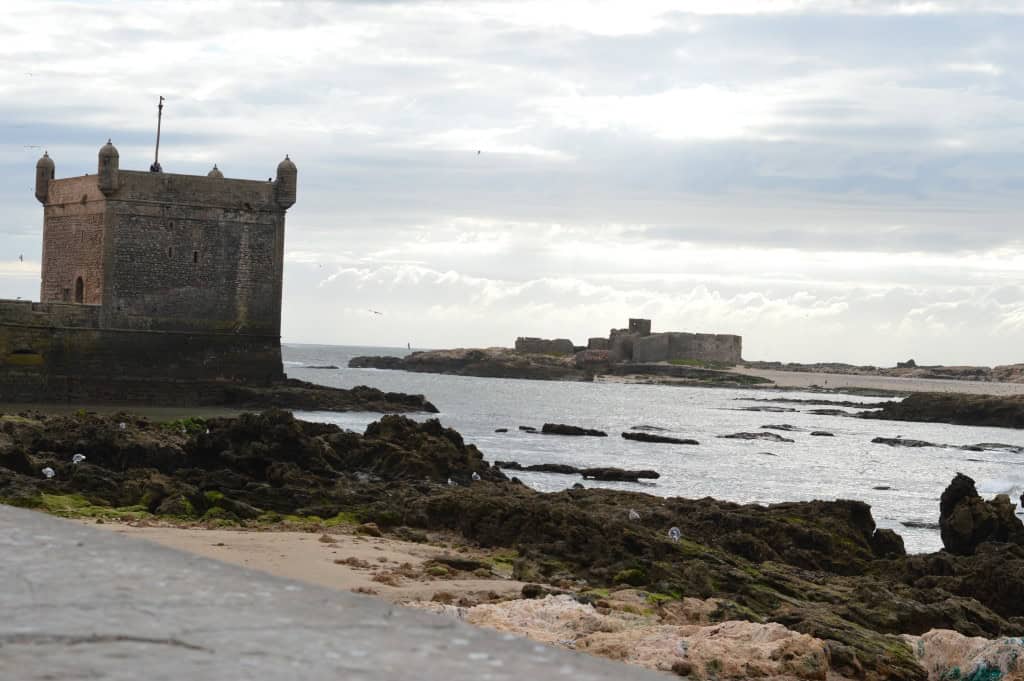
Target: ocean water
847 466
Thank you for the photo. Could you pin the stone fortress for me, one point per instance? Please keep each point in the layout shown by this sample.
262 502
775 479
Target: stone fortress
637 344
154 285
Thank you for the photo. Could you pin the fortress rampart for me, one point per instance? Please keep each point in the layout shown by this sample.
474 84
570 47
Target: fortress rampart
637 343
545 346
674 345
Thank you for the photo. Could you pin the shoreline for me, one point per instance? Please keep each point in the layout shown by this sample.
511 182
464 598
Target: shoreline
827 382
625 575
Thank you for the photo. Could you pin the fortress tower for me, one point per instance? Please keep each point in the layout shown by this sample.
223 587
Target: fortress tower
149 276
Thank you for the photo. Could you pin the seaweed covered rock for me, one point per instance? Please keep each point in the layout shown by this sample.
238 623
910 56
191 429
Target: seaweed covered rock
243 465
966 520
1006 411
663 439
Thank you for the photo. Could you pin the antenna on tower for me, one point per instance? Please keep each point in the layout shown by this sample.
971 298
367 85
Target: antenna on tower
155 168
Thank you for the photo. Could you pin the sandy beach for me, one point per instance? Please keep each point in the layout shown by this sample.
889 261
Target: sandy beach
802 379
399 571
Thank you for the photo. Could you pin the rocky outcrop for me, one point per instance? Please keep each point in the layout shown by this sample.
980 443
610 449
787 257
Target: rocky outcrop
966 520
960 409
726 650
770 437
564 429
947 655
650 437
488 362
295 394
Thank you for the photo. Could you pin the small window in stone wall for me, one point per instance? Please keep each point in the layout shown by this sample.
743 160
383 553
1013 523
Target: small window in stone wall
195 256
170 251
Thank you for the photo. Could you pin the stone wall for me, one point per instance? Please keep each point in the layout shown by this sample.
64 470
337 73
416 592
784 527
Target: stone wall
193 253
61 354
73 241
545 346
661 347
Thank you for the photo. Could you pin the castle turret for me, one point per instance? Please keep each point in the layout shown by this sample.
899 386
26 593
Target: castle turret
108 163
215 172
44 173
284 185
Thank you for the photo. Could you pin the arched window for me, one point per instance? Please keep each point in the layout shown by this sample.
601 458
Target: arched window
79 290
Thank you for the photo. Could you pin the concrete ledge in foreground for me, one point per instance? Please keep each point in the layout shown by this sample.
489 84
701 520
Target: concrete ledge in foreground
81 603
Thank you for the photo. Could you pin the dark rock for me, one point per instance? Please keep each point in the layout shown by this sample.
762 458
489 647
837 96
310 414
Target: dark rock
903 442
648 437
967 410
829 412
509 465
605 474
781 426
966 520
295 394
822 433
774 410
564 469
528 429
882 487
501 430
651 429
887 544
770 437
17 460
563 429
617 474
321 366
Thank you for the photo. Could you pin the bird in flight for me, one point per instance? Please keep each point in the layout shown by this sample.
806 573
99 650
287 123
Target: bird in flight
375 312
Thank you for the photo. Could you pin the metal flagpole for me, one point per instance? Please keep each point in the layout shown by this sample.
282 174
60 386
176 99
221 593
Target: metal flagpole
155 168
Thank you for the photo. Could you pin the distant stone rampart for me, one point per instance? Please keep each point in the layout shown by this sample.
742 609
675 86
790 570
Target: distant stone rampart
545 346
674 345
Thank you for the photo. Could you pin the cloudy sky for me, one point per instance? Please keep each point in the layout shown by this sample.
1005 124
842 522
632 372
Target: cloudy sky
834 180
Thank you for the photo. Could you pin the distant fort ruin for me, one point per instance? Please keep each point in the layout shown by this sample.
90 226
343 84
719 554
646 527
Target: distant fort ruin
155 286
638 344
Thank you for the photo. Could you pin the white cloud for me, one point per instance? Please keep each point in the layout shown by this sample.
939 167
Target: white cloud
814 175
